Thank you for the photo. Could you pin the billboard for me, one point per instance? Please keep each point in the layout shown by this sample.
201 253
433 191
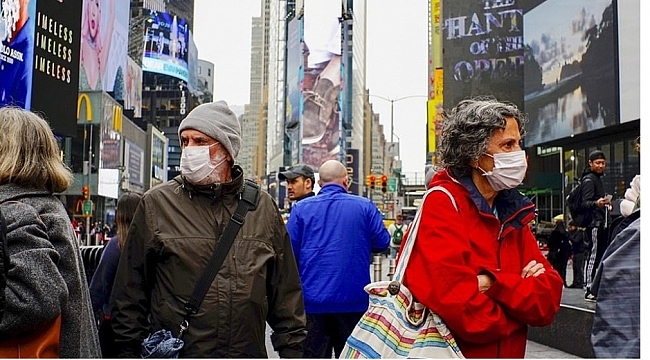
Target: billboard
133 88
571 69
322 82
166 45
39 57
483 50
193 65
17 54
104 45
293 101
134 163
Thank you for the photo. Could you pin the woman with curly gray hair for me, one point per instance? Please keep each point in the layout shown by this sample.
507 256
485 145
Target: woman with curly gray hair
475 261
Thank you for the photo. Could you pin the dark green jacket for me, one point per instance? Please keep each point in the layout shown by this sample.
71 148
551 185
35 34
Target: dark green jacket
170 241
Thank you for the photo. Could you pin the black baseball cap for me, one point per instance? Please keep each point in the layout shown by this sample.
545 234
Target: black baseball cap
293 172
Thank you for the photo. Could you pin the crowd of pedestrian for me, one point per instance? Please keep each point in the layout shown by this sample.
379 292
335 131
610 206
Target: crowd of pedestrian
198 266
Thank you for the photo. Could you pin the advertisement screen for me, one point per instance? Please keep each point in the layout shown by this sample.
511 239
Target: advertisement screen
17 54
321 84
39 59
294 96
193 65
166 45
571 71
104 45
483 50
133 88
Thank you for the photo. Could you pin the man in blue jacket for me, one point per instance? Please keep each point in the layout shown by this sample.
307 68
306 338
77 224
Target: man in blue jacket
333 235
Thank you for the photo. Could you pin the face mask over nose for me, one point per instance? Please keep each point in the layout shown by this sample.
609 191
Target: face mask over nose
509 170
196 164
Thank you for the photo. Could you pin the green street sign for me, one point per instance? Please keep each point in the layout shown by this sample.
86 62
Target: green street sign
392 184
88 207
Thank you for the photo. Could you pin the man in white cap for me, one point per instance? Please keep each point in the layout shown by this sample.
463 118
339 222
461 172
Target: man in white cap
172 237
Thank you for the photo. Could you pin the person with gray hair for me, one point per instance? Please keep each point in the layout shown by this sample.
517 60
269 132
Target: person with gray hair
333 235
46 284
475 261
170 242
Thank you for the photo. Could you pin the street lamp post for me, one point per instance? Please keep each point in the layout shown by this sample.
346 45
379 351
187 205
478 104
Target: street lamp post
392 106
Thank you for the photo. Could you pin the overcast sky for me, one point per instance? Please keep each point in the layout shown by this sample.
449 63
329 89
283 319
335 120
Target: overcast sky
396 62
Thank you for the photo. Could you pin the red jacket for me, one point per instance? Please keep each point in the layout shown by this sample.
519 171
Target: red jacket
452 247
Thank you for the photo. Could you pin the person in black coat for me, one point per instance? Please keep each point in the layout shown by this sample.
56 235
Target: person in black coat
559 249
577 239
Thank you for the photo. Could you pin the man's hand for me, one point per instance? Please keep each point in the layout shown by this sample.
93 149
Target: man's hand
532 269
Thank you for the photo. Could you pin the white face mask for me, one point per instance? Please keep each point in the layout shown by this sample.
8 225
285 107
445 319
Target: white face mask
196 164
509 170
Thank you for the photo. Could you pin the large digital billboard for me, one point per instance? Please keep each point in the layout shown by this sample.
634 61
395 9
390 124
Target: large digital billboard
104 45
133 88
483 50
293 101
571 74
166 45
39 59
322 82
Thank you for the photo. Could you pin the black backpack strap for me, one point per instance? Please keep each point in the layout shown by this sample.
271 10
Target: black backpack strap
248 200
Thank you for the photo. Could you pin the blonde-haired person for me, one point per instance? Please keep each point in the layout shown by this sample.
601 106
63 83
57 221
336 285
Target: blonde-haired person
104 277
46 278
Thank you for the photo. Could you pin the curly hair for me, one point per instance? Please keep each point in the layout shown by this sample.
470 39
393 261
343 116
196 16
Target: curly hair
468 127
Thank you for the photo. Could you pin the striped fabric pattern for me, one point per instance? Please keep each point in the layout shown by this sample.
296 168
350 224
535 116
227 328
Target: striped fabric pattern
396 326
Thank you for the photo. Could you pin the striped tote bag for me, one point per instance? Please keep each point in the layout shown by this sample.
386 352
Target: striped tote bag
395 326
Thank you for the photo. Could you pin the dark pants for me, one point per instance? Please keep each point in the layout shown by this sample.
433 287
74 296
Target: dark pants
578 266
327 331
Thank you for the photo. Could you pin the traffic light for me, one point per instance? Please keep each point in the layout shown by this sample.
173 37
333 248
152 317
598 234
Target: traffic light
384 183
85 192
372 179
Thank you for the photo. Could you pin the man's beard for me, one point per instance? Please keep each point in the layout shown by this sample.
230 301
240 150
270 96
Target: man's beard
218 176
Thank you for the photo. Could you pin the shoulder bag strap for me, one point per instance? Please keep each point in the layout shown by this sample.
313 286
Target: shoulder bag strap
413 231
247 201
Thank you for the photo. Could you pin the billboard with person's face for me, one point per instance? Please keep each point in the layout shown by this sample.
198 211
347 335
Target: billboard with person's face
166 45
17 29
571 82
39 59
104 46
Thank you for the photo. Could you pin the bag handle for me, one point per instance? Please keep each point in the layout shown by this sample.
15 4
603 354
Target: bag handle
250 197
413 232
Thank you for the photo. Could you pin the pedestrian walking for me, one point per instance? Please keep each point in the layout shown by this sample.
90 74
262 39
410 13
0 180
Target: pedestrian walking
46 294
102 281
475 260
396 232
333 235
559 249
173 236
300 182
577 239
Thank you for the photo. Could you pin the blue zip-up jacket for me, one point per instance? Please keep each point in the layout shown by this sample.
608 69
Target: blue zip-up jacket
333 235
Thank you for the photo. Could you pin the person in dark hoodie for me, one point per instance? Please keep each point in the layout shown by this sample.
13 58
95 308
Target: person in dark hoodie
595 203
